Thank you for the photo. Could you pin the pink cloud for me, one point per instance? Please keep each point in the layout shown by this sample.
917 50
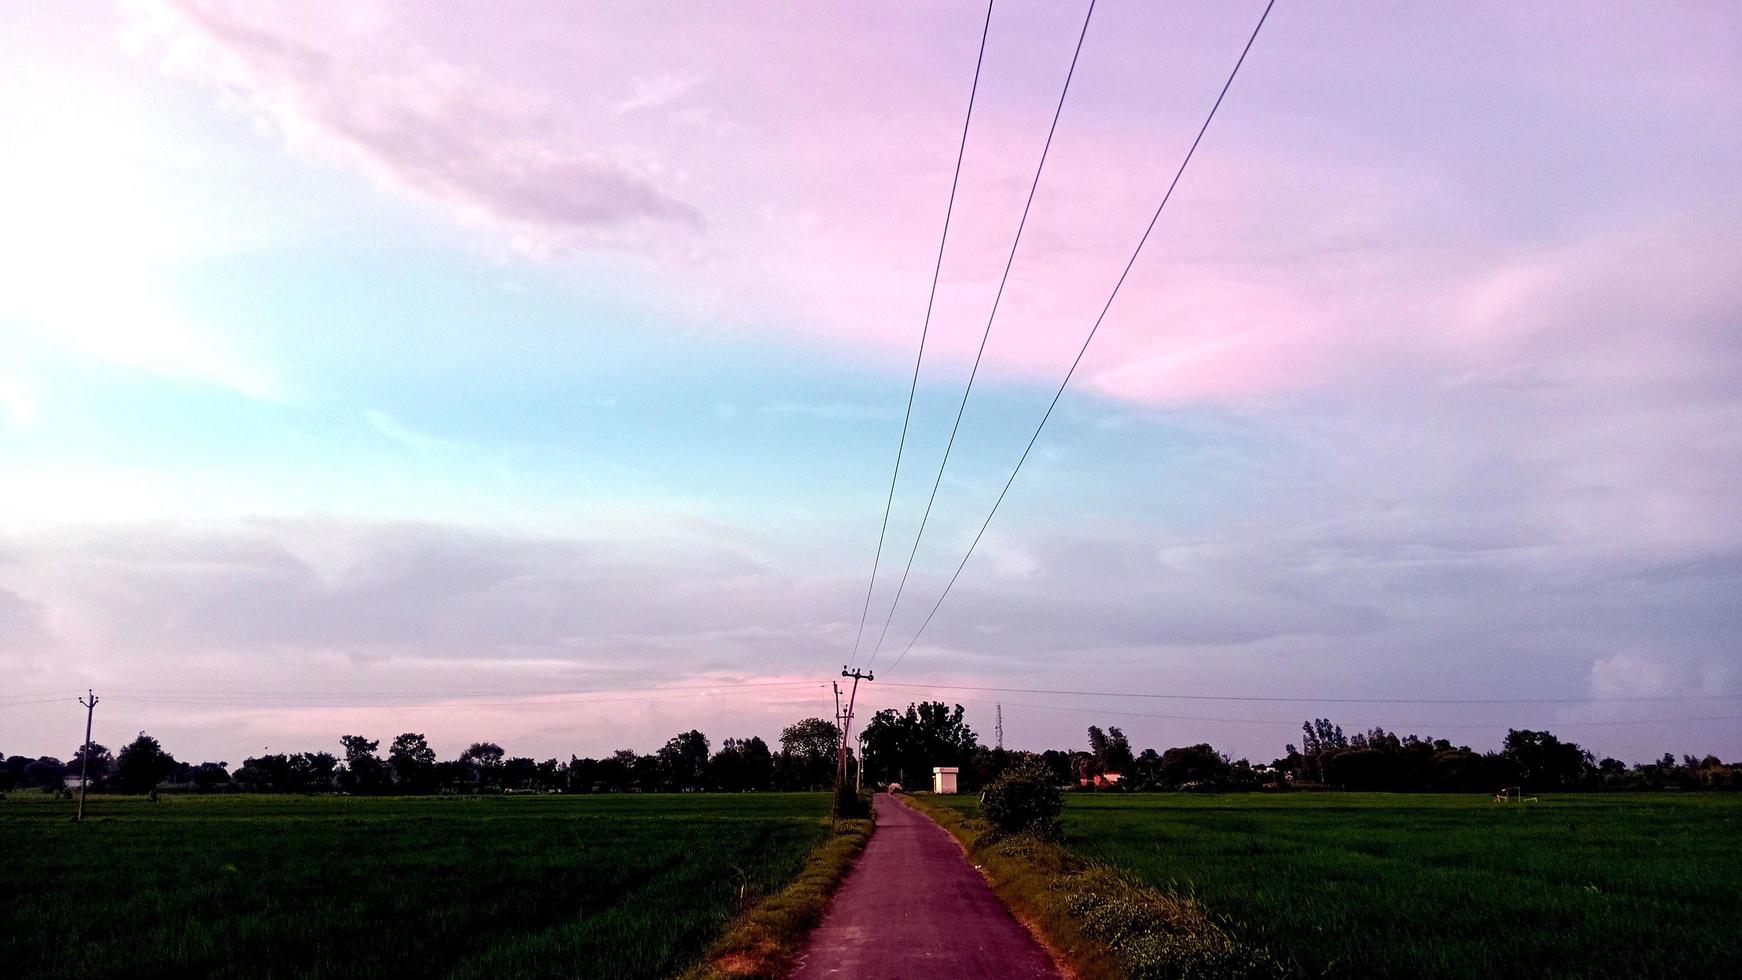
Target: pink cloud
760 169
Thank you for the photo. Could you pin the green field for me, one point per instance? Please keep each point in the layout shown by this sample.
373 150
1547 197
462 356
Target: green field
1384 885
594 886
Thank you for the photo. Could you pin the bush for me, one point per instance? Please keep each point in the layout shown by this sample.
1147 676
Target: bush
1024 799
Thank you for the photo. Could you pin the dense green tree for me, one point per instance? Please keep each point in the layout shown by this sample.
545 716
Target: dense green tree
808 753
265 774
906 746
1192 765
1549 763
364 771
412 763
485 761
742 764
141 765
684 761
209 775
313 772
102 762
519 773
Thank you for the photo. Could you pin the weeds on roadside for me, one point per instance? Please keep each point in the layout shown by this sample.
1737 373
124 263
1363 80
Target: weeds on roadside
767 938
1101 922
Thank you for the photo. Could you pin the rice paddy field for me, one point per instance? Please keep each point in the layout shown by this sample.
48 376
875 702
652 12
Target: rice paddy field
263 886
1393 885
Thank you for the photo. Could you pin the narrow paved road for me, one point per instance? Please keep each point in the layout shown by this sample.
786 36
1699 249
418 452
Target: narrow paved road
915 909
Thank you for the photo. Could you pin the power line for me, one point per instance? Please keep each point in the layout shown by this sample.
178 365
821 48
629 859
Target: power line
925 328
494 692
1092 331
1309 700
244 702
424 699
986 334
1424 726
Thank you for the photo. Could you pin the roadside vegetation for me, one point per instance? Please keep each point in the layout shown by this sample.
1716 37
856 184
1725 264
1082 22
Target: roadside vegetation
477 886
1104 924
1399 885
766 940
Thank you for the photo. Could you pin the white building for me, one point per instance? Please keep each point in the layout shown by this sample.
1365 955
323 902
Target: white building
943 779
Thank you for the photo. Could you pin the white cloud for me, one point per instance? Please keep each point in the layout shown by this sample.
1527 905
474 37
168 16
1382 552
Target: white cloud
93 237
17 406
404 434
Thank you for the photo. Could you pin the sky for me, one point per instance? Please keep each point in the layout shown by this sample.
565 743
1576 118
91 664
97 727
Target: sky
536 374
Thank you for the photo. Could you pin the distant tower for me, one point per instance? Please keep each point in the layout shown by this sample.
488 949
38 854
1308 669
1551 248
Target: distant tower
999 729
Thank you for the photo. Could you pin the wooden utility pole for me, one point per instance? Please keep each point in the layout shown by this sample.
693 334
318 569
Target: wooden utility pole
859 770
90 703
846 725
1000 728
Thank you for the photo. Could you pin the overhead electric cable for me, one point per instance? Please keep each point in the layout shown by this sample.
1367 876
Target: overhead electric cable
997 297
1306 700
1092 331
717 686
1426 727
925 328
444 703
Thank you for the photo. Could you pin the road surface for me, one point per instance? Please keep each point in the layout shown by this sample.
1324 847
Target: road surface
914 909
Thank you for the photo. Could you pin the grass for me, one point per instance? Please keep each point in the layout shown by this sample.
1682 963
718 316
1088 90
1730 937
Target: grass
1103 923
1382 885
258 886
766 940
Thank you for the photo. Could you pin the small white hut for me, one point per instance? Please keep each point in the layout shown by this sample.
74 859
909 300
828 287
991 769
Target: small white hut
943 780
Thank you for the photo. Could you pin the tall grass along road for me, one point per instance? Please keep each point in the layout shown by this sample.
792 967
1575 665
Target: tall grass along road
915 908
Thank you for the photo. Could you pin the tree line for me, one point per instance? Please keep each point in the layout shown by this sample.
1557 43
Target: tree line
898 747
805 760
904 746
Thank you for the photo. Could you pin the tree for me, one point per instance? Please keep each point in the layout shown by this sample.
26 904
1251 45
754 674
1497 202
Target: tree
1112 751
742 764
412 762
619 770
1189 765
683 760
142 765
102 762
312 772
551 775
808 750
904 747
46 772
485 761
364 770
265 774
209 775
1549 763
1318 737
519 772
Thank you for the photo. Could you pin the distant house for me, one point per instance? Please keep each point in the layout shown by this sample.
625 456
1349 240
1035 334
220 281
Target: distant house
1101 780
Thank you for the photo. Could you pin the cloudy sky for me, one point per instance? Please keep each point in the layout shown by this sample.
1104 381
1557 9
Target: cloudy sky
537 376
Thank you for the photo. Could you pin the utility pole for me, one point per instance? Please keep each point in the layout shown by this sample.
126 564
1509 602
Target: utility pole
846 724
1000 728
859 771
90 703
